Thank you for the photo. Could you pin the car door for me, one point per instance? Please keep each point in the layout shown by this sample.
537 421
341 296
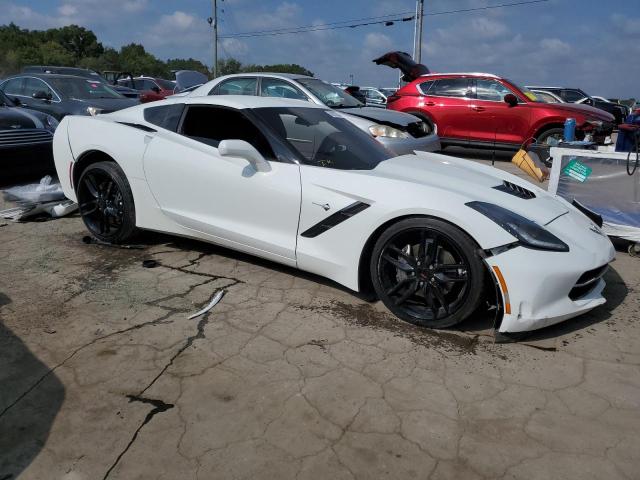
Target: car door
32 86
224 197
447 102
492 119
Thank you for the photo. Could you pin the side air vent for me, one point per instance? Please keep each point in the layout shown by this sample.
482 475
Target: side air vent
335 219
515 190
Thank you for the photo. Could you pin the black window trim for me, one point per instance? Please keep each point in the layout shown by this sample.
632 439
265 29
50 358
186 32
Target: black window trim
24 78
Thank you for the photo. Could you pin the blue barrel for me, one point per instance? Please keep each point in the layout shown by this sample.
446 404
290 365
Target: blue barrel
569 129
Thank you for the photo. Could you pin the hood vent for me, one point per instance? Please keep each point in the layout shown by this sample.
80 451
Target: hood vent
516 190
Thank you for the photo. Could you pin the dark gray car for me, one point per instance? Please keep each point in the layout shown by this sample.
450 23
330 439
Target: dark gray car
60 95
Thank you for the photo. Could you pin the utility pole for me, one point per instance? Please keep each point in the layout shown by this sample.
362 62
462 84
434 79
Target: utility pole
214 70
417 33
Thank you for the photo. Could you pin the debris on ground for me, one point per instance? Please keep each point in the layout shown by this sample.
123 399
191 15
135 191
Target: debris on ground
149 263
216 298
87 239
37 198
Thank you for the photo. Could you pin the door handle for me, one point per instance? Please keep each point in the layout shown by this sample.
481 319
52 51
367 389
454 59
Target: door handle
429 104
477 108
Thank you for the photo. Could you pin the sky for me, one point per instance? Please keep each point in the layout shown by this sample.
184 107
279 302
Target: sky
591 44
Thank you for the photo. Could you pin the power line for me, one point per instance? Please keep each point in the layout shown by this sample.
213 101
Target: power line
388 21
489 7
312 28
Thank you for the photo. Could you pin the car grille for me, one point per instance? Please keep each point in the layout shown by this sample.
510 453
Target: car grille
416 130
587 281
24 136
516 190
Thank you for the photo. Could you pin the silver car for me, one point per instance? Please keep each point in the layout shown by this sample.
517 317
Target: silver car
400 132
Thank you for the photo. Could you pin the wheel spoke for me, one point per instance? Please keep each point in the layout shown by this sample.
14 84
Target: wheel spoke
439 294
422 247
444 277
399 285
449 266
91 185
431 253
408 294
398 264
407 258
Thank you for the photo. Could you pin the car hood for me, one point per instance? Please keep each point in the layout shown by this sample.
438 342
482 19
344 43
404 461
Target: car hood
471 181
405 63
16 118
380 115
577 109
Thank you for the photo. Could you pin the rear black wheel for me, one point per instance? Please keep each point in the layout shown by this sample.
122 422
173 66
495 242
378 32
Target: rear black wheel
106 202
427 272
551 136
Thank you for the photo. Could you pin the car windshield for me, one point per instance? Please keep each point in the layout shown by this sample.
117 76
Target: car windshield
165 84
82 88
528 93
324 138
329 94
5 101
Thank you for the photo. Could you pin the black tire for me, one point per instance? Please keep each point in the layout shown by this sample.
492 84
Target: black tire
544 137
106 202
437 285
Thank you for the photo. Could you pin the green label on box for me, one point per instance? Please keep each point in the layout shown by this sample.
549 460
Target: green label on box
578 171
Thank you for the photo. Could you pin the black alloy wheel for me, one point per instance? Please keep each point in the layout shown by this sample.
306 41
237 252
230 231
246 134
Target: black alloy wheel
106 203
426 272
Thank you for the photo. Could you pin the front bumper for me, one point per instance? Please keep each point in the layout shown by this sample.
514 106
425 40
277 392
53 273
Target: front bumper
404 146
543 287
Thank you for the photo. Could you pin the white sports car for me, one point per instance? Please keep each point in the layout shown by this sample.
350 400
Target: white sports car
298 184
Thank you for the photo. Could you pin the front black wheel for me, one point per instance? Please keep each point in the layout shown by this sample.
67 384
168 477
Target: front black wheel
427 272
106 202
551 136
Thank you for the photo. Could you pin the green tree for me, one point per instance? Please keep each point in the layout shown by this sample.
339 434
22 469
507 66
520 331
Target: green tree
52 53
187 64
136 60
229 66
78 41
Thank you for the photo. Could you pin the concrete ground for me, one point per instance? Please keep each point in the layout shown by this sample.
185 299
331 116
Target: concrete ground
102 375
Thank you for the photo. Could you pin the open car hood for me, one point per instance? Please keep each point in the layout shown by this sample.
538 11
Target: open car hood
381 115
189 78
402 60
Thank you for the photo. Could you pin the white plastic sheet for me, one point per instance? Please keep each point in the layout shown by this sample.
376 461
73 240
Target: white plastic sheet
600 182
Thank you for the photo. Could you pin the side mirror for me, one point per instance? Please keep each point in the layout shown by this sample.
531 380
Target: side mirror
42 95
242 149
511 100
155 89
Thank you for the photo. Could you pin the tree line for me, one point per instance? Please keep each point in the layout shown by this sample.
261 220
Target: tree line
75 46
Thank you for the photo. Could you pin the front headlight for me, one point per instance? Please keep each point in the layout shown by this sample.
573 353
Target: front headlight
528 233
50 123
386 131
93 111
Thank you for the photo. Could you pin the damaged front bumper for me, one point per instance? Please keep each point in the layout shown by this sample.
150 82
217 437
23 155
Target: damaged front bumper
541 288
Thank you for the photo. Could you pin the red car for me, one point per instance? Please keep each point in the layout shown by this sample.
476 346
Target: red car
151 89
484 110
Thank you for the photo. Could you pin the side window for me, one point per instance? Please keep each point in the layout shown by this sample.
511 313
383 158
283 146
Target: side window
13 86
211 125
571 96
424 87
33 85
274 87
149 85
491 90
236 86
138 84
167 116
373 95
450 87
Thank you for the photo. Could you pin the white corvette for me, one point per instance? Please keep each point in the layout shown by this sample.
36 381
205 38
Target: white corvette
295 183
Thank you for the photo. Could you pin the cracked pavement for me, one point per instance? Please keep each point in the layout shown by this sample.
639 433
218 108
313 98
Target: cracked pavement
289 376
